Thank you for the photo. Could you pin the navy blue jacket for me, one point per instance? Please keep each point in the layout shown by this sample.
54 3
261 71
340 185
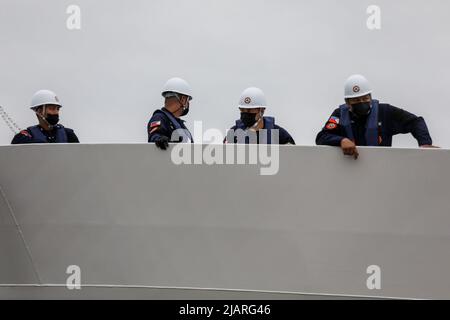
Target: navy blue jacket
160 125
391 121
26 136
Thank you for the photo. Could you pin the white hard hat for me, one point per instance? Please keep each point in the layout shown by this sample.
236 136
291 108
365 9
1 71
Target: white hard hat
252 98
357 86
177 85
43 97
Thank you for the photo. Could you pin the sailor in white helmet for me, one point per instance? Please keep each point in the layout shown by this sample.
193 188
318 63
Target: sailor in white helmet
165 125
363 121
253 126
47 106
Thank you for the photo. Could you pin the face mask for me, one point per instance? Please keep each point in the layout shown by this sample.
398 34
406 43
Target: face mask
52 119
184 107
185 111
248 118
361 109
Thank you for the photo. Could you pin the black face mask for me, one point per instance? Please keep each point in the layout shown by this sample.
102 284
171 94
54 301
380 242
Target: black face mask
248 118
185 112
361 109
52 119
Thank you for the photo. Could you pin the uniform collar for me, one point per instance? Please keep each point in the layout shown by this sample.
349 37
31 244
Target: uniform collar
178 119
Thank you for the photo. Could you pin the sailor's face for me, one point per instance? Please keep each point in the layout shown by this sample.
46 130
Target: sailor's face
49 109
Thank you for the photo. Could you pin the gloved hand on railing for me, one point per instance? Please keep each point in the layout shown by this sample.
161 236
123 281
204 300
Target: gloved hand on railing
162 142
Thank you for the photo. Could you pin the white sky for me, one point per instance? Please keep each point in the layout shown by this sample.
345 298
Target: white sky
109 74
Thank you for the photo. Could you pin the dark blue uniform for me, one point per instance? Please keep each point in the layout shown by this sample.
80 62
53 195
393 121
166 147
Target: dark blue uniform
37 134
163 123
269 124
391 121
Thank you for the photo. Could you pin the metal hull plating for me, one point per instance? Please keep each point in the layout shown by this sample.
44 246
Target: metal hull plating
139 226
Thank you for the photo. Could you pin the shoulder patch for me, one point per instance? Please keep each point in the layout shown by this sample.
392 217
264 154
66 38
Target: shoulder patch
154 129
155 124
331 126
25 133
334 119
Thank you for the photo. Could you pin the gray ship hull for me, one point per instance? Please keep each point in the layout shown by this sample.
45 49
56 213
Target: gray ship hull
140 227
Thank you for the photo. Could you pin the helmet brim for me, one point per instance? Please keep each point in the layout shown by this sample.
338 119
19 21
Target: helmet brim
168 94
43 104
251 107
357 95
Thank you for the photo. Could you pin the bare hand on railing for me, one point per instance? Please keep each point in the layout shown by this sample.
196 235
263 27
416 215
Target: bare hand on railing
429 146
349 148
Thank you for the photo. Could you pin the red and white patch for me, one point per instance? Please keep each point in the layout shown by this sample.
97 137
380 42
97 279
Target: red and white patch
155 124
334 120
331 126
25 133
154 129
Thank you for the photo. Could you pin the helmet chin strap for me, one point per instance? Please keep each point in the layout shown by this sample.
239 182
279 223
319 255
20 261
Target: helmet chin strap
253 127
50 127
181 105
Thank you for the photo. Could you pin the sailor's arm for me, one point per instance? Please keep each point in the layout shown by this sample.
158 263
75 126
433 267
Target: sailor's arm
284 136
330 134
71 136
230 137
159 131
406 122
23 137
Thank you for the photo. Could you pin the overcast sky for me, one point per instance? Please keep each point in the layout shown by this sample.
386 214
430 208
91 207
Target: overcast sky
109 74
